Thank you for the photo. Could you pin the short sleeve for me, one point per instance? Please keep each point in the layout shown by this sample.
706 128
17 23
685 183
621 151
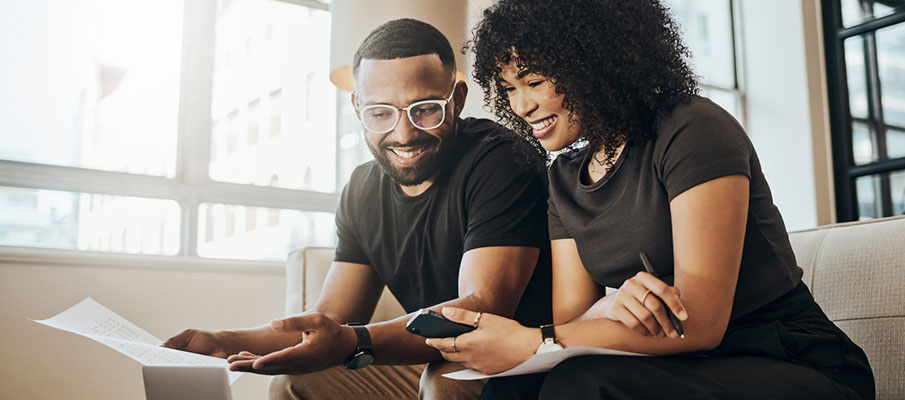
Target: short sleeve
698 143
348 246
505 202
554 224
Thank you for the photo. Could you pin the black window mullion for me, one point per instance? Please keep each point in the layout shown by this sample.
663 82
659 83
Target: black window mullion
840 116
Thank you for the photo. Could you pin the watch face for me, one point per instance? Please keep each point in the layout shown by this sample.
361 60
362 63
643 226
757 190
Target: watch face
360 360
547 348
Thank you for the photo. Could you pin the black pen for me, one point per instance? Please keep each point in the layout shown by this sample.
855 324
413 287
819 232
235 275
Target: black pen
672 318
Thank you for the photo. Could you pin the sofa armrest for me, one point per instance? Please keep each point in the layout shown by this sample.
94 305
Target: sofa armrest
306 270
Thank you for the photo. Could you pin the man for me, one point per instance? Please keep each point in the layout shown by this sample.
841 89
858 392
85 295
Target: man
444 216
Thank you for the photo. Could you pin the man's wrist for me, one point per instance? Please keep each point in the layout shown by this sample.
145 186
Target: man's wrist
362 354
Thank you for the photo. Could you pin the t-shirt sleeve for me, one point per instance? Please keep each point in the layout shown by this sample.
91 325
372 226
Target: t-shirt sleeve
554 224
348 246
505 202
702 143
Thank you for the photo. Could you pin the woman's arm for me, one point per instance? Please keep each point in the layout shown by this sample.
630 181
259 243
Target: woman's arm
708 234
708 223
574 291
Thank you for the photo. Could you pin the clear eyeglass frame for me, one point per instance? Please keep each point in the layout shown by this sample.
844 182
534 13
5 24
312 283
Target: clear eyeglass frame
408 112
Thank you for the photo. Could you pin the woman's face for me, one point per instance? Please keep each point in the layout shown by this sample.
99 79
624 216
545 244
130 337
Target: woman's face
533 98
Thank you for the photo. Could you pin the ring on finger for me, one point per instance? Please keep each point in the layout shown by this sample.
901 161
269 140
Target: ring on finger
477 320
454 349
645 296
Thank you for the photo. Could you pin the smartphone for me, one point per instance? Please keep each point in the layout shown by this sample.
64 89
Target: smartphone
432 324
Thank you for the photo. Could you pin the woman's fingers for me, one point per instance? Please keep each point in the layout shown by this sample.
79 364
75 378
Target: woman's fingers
669 295
658 314
629 319
642 302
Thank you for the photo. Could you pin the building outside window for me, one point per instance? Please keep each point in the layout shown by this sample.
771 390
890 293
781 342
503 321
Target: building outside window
172 127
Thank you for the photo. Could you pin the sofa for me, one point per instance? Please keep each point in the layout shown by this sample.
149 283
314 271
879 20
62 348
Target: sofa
856 272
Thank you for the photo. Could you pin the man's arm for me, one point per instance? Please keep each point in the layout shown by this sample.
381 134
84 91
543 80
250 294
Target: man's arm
349 294
491 279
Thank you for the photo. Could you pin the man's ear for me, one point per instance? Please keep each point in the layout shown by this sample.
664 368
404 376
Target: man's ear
354 99
461 92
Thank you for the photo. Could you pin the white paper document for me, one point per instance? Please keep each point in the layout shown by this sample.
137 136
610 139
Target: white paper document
539 362
96 322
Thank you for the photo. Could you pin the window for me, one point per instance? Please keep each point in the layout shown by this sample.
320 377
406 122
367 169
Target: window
865 48
708 29
172 127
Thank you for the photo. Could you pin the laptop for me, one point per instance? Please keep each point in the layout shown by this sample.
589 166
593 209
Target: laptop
171 382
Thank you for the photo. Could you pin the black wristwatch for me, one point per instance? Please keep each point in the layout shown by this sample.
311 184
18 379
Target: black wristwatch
364 352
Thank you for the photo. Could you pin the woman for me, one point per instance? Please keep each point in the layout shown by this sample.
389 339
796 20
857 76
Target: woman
647 166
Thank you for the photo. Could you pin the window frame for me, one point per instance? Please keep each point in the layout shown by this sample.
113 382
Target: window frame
845 172
191 186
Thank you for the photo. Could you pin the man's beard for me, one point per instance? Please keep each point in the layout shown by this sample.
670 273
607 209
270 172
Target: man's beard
427 168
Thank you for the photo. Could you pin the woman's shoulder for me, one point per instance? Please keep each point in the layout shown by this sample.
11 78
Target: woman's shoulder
697 112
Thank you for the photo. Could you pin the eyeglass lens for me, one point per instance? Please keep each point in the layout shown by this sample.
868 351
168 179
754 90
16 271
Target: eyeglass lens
423 116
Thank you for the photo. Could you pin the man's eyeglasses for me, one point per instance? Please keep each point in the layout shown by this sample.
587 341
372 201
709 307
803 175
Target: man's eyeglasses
425 114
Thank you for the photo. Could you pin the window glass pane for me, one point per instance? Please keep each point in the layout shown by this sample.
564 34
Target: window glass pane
85 221
855 12
868 194
271 91
257 233
883 8
897 184
856 75
895 143
863 149
91 83
891 63
707 30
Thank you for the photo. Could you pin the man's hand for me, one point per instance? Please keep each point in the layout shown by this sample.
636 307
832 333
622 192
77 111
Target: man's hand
199 341
324 344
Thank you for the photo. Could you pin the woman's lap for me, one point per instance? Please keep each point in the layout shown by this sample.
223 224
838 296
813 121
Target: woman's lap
674 377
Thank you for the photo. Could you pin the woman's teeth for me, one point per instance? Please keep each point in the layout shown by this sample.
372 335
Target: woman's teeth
543 124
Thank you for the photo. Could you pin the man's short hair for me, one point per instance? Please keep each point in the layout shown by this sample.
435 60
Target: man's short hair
402 38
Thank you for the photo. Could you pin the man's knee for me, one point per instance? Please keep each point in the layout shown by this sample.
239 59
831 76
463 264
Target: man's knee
435 386
280 388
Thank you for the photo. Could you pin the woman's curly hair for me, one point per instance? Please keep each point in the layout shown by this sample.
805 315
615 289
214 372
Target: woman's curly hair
618 63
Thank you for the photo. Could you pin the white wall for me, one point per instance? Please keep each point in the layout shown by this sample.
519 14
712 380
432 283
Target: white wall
786 106
44 363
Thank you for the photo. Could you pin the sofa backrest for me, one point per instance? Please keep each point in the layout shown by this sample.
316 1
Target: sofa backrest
306 270
856 272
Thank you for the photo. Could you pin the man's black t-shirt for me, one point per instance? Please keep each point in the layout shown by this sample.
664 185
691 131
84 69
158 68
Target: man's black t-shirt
415 244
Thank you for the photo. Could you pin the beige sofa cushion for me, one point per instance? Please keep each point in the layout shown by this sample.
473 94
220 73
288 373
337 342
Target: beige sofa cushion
856 272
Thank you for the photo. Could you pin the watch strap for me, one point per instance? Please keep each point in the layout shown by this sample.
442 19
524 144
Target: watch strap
548 334
364 337
363 355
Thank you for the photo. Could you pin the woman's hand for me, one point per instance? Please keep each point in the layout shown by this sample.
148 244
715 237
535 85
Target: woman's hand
498 344
639 305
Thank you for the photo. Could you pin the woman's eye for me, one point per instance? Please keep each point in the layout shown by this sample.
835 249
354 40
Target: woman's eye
509 89
535 83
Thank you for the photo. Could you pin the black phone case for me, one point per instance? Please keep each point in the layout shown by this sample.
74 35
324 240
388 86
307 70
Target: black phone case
432 324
